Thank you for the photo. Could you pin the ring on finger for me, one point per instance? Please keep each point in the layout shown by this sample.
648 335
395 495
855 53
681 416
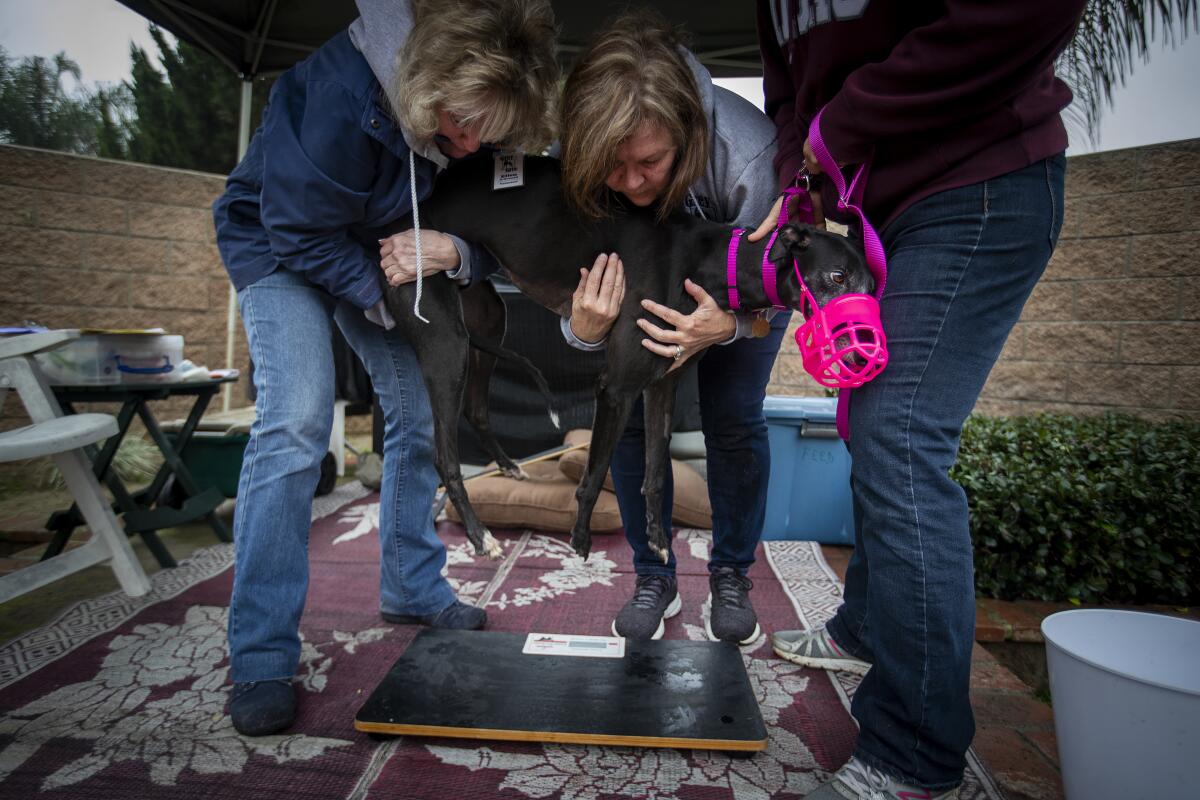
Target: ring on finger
678 352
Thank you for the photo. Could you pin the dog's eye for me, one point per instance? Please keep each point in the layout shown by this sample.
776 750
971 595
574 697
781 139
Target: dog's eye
838 277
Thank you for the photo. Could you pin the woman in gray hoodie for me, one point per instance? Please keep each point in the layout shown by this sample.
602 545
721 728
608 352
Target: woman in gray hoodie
642 119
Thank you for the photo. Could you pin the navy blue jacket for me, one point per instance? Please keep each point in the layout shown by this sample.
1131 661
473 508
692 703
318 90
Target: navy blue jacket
324 173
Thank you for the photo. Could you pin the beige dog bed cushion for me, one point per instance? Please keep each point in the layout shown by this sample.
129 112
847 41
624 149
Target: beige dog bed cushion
691 508
546 500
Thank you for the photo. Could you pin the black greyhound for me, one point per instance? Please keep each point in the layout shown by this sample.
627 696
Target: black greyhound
542 243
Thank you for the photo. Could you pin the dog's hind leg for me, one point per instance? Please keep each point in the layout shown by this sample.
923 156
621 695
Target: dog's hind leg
659 404
484 314
612 413
441 346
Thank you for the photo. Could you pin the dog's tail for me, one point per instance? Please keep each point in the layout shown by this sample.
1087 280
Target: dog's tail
528 366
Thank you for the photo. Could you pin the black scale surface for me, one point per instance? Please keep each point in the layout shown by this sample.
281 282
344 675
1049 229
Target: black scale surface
478 684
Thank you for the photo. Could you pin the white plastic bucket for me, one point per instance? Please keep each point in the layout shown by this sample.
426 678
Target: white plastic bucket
1126 693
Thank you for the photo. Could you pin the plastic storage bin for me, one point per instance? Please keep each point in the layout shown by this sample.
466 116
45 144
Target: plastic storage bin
107 358
215 459
808 496
1126 691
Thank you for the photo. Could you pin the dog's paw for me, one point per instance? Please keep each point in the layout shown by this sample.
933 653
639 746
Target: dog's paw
491 547
581 542
657 541
515 472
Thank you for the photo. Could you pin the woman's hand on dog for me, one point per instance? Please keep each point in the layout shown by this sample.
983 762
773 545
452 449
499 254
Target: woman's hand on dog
398 255
706 326
597 299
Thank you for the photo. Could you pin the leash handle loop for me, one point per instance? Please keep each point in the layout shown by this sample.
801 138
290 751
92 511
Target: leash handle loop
850 199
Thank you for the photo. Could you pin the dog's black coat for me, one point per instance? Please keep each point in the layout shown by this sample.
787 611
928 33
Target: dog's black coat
542 244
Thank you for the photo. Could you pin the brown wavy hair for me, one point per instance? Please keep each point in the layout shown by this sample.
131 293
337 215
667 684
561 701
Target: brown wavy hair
491 61
632 73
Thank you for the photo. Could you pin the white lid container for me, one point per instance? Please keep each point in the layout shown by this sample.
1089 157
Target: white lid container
97 358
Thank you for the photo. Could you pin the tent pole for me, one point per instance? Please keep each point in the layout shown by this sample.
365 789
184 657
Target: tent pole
231 309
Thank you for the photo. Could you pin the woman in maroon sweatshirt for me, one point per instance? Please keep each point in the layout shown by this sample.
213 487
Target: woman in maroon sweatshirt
956 107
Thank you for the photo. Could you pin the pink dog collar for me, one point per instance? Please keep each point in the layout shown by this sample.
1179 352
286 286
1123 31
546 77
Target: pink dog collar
731 268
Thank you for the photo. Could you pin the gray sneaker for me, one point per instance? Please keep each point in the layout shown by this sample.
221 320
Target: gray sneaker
858 781
816 649
731 616
655 599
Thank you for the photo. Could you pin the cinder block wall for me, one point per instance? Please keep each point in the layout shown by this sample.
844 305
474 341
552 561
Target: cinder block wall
87 242
1114 323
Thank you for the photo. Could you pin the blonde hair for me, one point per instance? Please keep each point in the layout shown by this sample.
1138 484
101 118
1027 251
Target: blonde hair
486 61
633 73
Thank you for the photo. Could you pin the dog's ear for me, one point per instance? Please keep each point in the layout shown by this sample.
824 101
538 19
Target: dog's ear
791 239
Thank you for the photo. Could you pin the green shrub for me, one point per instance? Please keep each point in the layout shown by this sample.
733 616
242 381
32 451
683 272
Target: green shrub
1094 509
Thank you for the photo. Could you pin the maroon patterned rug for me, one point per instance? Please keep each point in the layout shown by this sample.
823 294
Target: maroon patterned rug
123 697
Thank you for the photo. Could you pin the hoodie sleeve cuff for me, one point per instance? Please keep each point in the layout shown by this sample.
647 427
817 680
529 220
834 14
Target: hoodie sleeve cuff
744 329
579 344
462 274
380 315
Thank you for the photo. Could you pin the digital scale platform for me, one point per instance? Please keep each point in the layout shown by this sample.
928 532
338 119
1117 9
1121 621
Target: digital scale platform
544 687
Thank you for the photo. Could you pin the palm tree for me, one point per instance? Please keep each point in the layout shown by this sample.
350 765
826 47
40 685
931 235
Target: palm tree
36 110
1111 34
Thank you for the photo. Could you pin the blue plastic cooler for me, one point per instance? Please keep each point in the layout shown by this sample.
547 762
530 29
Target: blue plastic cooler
808 496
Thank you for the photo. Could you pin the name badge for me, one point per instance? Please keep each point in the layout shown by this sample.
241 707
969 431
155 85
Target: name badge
510 169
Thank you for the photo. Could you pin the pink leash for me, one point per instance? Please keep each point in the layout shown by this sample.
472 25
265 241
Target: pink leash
851 199
853 318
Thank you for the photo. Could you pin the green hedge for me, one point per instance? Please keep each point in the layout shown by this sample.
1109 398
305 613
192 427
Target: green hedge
1093 509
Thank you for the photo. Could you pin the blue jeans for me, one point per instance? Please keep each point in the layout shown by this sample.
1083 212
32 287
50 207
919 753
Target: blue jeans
961 265
733 382
289 327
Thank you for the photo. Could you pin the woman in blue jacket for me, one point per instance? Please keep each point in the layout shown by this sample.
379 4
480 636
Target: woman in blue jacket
298 229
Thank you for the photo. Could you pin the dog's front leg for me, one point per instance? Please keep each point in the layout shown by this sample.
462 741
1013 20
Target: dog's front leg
659 404
612 413
441 347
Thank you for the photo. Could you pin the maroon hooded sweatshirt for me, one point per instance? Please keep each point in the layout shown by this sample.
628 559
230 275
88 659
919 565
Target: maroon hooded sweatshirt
936 93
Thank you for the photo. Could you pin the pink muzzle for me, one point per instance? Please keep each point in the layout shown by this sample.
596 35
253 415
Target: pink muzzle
842 345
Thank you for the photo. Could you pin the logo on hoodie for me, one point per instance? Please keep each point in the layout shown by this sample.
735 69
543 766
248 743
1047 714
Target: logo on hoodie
699 206
794 18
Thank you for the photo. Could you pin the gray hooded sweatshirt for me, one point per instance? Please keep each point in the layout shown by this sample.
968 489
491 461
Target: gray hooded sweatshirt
379 33
739 184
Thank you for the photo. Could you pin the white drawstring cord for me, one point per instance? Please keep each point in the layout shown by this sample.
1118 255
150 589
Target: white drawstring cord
412 185
696 202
